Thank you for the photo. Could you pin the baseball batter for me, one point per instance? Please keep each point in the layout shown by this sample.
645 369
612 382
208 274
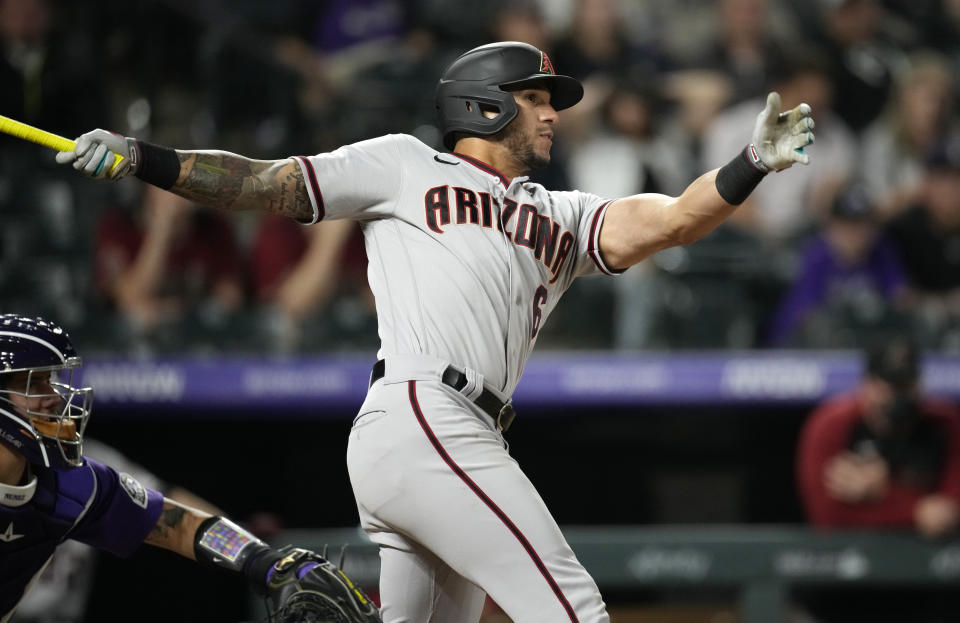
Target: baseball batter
467 259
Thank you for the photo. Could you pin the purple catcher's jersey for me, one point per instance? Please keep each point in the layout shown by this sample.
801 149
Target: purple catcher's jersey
92 504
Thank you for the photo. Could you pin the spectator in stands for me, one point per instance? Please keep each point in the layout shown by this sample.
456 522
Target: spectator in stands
44 64
597 49
51 79
929 23
167 262
852 36
920 115
633 149
883 456
520 20
744 47
296 271
849 276
596 46
927 235
786 208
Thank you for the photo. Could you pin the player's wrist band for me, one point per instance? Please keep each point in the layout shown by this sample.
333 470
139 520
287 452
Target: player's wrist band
157 165
737 179
221 543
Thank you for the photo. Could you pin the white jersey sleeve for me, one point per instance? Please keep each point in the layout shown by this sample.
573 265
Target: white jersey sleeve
588 211
361 181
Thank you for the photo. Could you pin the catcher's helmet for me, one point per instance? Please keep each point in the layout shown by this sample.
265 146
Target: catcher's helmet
43 421
478 80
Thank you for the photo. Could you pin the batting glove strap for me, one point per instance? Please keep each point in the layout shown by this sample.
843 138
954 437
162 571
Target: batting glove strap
737 179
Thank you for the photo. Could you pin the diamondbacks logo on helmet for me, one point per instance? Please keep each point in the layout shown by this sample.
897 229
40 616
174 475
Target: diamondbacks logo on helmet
546 66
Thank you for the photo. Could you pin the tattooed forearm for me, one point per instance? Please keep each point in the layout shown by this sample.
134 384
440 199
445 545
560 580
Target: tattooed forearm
176 528
214 179
227 181
169 522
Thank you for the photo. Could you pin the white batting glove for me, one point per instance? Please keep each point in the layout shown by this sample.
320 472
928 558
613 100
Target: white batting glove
94 155
779 138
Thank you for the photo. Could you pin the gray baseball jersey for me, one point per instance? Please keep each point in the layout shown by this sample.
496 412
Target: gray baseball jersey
465 265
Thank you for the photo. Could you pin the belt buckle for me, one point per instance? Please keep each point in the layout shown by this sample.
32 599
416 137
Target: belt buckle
505 417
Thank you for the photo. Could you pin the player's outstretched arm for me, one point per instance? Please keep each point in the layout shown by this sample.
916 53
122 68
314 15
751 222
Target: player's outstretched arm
217 179
636 227
297 583
176 528
223 180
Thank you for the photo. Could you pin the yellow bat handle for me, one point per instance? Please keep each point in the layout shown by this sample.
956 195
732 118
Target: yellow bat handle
42 137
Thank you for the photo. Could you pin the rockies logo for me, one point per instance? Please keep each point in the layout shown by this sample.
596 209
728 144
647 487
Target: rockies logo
134 489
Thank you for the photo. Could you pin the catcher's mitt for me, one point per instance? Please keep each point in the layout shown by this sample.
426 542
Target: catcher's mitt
304 587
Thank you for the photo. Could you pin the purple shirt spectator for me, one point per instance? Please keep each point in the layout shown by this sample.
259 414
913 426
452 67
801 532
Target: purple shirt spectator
824 278
342 24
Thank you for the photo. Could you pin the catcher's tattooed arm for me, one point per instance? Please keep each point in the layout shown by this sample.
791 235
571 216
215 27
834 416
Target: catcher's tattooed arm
298 584
224 180
176 528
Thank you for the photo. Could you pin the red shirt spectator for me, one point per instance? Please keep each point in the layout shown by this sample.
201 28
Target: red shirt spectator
882 457
299 269
152 269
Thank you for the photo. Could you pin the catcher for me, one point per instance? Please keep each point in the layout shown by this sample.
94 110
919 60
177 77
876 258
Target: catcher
51 492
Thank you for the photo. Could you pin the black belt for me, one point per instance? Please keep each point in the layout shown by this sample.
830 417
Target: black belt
501 412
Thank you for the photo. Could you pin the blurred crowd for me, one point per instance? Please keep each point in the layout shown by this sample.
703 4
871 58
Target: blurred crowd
863 242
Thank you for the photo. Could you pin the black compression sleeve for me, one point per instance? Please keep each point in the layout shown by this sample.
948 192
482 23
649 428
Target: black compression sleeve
158 165
737 179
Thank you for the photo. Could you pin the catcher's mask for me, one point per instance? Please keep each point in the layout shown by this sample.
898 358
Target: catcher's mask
42 416
481 80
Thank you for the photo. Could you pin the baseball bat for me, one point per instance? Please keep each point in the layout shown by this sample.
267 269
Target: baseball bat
42 137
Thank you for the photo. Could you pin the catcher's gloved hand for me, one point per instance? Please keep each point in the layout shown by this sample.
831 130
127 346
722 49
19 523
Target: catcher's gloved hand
94 155
779 138
304 587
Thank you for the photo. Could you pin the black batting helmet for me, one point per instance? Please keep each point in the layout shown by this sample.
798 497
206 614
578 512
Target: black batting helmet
480 80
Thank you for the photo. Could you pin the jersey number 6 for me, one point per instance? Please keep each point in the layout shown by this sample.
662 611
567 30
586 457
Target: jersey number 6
539 298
